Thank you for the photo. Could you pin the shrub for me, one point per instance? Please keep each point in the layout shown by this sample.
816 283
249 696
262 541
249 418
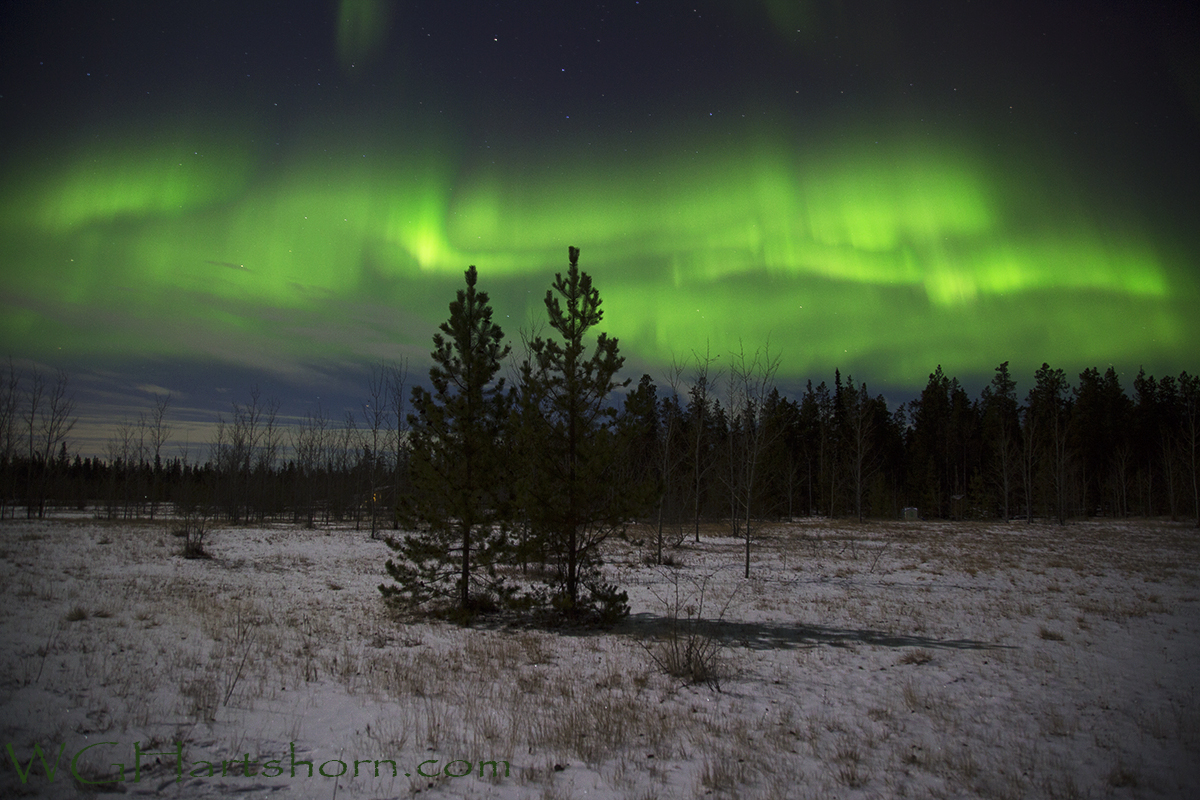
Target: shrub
689 655
192 529
688 652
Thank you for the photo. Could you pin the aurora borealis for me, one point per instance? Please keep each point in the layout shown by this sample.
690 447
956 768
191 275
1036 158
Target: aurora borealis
294 190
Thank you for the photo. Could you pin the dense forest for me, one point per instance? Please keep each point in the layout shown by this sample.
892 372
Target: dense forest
714 439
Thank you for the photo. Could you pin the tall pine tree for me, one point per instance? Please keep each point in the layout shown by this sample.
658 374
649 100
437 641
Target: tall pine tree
455 509
576 501
1002 430
1049 403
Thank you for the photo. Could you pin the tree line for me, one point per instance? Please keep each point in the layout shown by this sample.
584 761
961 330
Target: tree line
253 469
483 475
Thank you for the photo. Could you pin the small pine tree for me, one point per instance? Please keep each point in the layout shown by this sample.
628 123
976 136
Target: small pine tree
455 511
575 501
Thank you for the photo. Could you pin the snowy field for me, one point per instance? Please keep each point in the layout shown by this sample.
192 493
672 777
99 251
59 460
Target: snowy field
883 660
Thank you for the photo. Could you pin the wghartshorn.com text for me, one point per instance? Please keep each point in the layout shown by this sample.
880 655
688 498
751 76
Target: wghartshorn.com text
131 771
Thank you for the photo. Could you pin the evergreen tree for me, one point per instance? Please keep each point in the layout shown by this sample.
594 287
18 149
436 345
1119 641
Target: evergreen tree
456 507
863 422
966 485
1170 416
816 408
929 446
1189 434
1099 422
700 435
789 455
1049 404
574 504
892 445
671 456
646 458
1001 429
1145 438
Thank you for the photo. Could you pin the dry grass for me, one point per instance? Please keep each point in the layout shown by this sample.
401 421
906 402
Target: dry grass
918 656
860 660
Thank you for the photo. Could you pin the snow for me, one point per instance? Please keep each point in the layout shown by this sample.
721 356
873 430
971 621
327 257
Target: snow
913 659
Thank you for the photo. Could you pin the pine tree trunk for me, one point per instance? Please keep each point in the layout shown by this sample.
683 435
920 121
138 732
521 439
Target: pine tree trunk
466 565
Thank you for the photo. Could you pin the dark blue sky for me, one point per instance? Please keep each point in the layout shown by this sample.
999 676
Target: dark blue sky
1099 101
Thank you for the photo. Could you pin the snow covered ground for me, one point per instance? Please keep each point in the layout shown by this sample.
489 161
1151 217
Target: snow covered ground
881 660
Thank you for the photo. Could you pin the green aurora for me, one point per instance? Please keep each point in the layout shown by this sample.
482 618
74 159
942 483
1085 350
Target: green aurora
885 258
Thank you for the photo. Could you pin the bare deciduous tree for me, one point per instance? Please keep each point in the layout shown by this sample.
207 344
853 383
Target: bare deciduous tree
59 418
49 417
120 457
668 458
751 379
397 378
310 445
377 436
10 397
159 431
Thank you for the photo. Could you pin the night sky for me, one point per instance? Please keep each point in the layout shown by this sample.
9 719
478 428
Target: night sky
196 198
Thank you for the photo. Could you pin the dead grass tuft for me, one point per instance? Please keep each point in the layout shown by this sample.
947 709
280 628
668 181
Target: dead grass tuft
918 656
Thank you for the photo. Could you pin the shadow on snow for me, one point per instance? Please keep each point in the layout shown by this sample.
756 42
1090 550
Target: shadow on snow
781 636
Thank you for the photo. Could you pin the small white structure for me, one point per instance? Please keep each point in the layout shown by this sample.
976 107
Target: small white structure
911 514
